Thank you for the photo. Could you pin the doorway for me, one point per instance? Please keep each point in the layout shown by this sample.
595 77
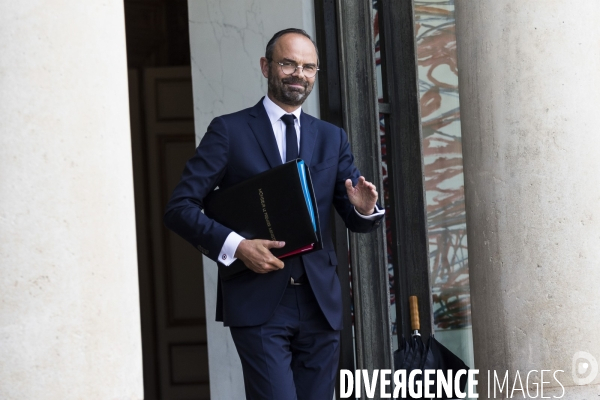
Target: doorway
173 319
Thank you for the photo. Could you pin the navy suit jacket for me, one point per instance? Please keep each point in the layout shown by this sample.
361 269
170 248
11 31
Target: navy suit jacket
236 147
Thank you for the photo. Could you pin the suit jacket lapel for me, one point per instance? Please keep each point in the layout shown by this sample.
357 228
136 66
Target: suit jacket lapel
263 131
308 137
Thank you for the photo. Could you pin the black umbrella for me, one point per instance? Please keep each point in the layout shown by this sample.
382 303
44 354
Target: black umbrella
415 355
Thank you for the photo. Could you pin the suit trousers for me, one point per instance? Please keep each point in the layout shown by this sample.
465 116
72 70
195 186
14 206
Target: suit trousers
294 355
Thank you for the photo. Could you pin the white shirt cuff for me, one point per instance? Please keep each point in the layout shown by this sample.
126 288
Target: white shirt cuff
227 254
376 214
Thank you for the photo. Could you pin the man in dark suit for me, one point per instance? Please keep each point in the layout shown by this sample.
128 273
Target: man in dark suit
284 316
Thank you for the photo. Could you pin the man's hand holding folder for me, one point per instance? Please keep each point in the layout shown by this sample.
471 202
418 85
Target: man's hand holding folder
257 256
275 211
278 204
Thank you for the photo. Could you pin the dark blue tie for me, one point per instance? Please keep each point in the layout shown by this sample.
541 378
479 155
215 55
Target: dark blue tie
291 153
291 140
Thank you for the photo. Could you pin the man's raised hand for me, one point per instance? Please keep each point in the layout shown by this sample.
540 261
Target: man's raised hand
363 196
257 256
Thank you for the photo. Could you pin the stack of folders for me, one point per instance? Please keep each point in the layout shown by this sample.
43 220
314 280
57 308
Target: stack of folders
278 204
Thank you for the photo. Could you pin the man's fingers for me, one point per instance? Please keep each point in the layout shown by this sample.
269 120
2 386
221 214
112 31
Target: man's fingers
272 263
257 256
363 182
269 264
366 184
277 263
348 184
270 244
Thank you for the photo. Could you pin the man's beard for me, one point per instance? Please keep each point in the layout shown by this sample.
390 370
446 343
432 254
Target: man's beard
288 95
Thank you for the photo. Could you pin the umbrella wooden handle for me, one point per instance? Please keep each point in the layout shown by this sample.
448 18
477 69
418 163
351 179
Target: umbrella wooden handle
415 322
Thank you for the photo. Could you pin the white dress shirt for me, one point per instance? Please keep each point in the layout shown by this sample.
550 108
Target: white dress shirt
227 255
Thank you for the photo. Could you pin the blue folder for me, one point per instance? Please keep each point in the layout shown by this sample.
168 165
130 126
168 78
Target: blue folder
302 171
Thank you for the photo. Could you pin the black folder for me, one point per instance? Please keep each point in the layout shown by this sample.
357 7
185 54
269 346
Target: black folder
278 204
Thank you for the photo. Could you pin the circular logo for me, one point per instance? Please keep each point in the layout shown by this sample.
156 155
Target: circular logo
585 368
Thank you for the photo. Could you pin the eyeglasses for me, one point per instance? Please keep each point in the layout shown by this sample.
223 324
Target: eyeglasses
289 68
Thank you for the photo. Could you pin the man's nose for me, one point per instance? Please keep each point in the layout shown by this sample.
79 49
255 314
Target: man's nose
299 70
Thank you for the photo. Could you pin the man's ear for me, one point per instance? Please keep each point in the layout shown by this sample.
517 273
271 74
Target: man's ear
264 66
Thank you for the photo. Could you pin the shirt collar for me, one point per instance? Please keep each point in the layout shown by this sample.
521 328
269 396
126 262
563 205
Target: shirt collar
275 112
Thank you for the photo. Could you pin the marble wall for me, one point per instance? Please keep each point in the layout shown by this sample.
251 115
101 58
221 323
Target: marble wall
227 39
529 112
69 302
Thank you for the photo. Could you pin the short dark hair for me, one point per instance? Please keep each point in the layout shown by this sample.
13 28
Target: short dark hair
271 44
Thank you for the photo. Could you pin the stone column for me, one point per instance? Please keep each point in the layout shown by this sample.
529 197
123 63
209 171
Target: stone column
530 97
69 309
